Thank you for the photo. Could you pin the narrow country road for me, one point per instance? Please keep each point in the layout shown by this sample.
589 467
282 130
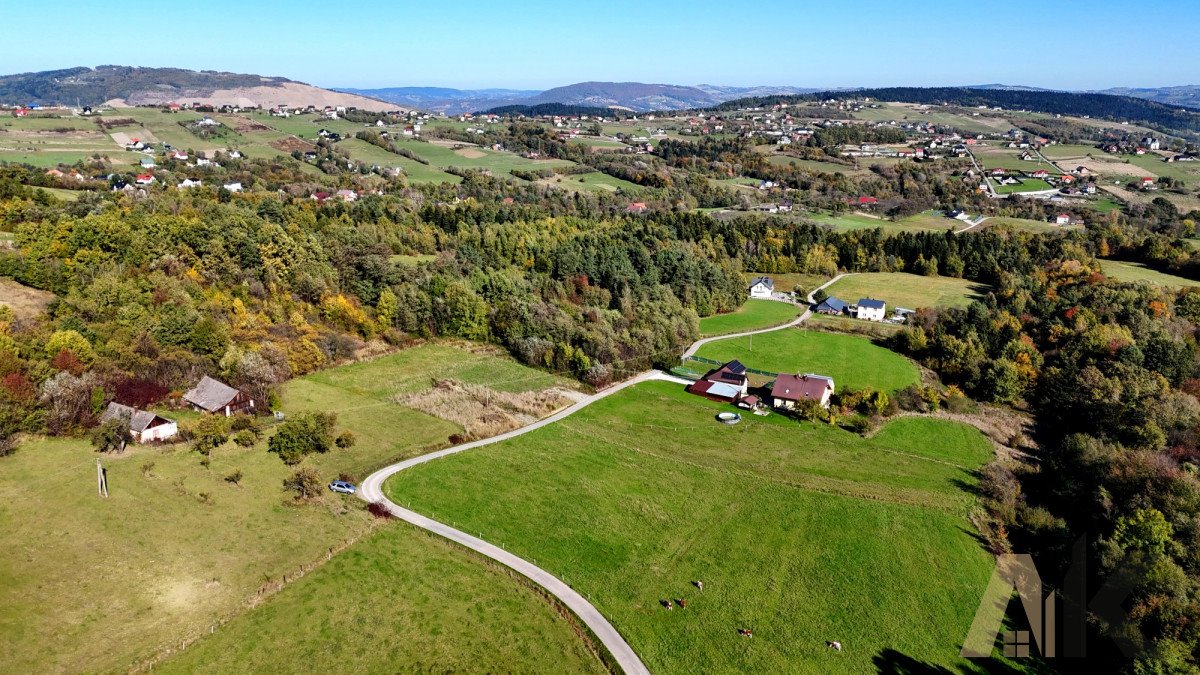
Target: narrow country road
691 351
371 490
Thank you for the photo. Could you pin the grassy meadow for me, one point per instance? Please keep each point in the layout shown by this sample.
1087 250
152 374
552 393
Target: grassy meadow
802 533
753 315
912 291
1137 272
399 600
101 584
853 362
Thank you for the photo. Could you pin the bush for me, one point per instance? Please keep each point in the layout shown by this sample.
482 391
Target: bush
345 440
379 510
305 482
957 401
235 477
300 435
245 438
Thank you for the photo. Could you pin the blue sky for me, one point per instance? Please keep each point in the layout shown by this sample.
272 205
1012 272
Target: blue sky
537 44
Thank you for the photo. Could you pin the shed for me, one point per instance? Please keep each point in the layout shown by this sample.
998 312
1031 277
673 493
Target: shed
214 396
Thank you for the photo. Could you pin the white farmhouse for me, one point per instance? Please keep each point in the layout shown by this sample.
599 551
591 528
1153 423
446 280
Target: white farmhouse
869 309
762 287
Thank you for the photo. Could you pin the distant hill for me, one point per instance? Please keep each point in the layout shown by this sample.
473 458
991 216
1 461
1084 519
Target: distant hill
1187 95
1167 118
548 109
634 96
443 99
146 86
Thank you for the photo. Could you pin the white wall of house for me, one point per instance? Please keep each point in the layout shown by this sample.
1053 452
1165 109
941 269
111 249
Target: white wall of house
760 291
871 313
161 432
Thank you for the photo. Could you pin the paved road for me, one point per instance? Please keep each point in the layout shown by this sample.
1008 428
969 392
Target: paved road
691 351
371 490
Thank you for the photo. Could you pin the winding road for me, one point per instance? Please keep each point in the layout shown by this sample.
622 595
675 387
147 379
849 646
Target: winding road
371 490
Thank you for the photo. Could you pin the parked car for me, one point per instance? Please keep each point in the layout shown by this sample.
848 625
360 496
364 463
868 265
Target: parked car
342 487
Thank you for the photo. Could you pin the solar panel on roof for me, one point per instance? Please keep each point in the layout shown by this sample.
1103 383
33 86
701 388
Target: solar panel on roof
736 367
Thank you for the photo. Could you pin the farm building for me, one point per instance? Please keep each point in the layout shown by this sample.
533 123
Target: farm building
717 391
789 390
732 373
213 396
832 306
762 287
144 426
869 309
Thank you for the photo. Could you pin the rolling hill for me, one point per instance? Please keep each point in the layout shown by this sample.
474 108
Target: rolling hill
126 85
635 96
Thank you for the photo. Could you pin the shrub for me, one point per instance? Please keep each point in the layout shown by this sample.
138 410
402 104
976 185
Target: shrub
300 435
148 470
245 438
379 510
345 440
235 477
305 482
111 436
209 433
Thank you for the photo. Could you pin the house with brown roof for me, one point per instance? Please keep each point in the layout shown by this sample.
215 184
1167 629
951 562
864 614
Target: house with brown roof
726 383
788 390
214 396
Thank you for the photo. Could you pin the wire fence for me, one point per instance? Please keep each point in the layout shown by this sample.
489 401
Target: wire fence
701 359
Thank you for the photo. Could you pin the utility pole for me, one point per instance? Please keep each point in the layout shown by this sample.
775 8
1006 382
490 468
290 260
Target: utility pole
101 479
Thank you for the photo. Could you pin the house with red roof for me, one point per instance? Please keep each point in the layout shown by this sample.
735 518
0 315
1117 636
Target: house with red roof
790 390
637 207
144 178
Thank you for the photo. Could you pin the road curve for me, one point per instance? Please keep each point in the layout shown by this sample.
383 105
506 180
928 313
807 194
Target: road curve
691 351
371 490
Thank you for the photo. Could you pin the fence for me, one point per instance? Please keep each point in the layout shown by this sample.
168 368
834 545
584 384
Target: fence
701 359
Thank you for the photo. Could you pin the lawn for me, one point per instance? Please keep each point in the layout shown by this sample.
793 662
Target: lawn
92 584
853 362
802 533
753 315
1037 226
1024 185
921 222
416 171
907 290
1135 272
400 600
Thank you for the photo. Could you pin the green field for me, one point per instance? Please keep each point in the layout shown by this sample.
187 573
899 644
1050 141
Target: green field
853 362
1026 224
99 584
594 181
1134 272
816 165
400 600
1025 185
1188 172
963 121
921 222
375 155
907 290
802 533
753 315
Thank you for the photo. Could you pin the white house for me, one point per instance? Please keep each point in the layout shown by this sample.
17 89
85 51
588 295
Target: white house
869 309
144 426
1062 219
233 187
762 287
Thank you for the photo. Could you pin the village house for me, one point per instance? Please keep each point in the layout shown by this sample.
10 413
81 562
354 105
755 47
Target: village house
144 426
832 306
347 195
869 309
1148 183
762 287
189 183
1062 219
144 179
725 383
216 397
233 187
789 390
